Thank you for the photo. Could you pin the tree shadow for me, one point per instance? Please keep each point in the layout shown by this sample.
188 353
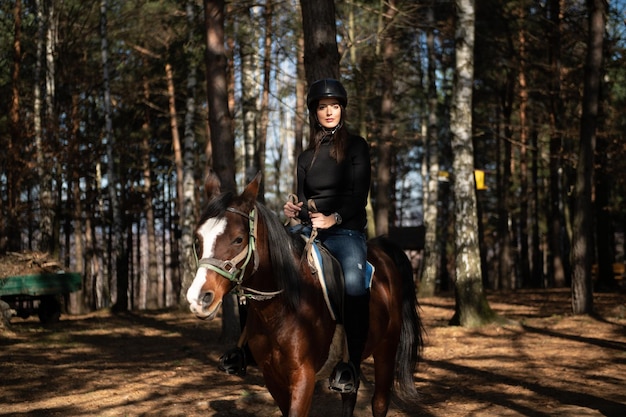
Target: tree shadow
488 392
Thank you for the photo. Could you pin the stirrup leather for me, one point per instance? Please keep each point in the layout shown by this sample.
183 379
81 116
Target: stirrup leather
234 362
344 379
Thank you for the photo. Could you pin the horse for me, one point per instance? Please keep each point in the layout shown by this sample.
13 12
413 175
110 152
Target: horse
242 246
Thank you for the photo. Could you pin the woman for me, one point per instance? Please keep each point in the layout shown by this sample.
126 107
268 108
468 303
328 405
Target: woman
334 172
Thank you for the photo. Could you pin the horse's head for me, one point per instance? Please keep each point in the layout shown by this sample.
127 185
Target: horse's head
224 246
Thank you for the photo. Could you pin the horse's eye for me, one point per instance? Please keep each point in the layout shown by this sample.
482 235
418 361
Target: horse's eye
238 240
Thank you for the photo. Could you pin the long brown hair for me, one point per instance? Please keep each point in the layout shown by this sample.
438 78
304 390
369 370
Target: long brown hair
339 139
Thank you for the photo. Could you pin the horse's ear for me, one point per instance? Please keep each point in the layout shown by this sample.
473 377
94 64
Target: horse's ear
252 190
212 185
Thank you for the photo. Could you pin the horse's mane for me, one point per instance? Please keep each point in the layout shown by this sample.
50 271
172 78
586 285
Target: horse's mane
281 246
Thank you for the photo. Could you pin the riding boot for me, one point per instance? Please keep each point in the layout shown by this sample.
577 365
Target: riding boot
345 377
236 360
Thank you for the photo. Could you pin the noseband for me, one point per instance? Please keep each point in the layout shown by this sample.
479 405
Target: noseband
229 269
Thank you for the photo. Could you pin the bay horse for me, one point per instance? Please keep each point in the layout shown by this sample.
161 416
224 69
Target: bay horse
242 246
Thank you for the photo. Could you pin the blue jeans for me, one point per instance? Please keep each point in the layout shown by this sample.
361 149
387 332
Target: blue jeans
350 249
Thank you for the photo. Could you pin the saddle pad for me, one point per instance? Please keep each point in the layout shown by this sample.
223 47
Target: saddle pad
332 286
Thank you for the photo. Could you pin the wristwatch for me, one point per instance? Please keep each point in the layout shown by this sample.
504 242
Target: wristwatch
338 218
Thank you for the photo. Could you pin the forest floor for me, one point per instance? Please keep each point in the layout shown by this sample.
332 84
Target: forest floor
549 363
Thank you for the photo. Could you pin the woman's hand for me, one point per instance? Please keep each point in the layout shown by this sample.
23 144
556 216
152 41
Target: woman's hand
321 221
292 210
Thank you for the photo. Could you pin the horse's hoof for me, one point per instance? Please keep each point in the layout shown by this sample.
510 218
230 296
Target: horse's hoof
344 379
233 362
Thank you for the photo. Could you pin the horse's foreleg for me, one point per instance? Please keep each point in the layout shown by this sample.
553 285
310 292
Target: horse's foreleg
279 393
294 403
302 386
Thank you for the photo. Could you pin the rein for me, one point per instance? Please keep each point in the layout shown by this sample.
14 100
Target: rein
308 247
229 269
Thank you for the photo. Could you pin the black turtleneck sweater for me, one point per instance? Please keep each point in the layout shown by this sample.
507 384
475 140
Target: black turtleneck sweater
336 187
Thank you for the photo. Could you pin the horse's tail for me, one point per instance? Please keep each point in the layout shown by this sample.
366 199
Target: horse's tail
411 343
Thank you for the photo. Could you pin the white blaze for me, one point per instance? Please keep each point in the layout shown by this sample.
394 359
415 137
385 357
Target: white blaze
209 231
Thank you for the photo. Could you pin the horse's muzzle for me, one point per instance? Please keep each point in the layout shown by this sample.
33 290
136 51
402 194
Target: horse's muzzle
204 307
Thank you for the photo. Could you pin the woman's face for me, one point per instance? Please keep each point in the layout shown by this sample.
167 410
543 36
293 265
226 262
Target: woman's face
329 112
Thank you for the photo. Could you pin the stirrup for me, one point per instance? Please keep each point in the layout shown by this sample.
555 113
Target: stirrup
233 362
344 379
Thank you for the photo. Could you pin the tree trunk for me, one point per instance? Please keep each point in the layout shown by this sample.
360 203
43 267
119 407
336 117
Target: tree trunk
265 96
384 183
155 285
536 278
188 208
524 252
43 162
118 252
506 276
556 265
605 233
220 123
432 247
101 265
321 56
77 306
47 216
220 120
301 113
582 241
248 36
9 226
472 308
37 90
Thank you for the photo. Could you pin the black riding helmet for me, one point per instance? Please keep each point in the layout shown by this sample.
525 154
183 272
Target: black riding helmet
326 88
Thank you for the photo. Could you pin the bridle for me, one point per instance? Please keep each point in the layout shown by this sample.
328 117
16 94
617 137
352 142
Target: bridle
229 269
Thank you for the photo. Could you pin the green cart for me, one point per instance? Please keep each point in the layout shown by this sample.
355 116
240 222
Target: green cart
40 293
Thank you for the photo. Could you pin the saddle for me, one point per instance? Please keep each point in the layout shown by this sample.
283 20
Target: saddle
329 273
325 266
328 270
